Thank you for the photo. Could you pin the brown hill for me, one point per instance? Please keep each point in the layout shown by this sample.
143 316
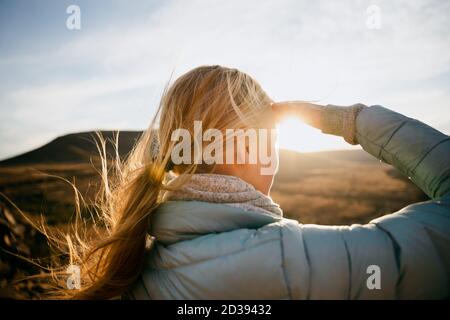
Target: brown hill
73 148
81 148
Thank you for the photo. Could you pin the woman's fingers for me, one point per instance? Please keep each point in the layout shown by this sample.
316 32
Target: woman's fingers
308 112
330 119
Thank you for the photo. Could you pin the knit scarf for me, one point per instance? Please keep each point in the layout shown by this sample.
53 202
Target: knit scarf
224 189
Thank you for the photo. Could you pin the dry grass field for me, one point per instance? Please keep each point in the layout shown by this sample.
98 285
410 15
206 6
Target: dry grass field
341 187
337 187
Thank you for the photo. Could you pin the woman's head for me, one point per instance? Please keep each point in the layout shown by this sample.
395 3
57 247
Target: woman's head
218 99
111 255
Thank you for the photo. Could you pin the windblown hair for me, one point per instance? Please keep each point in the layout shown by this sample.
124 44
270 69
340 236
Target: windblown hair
111 251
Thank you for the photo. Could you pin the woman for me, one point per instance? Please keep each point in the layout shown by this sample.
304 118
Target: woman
206 230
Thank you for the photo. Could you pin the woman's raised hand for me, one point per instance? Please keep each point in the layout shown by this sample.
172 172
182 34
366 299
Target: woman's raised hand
307 112
330 119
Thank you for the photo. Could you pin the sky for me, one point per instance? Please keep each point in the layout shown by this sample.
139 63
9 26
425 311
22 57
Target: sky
110 73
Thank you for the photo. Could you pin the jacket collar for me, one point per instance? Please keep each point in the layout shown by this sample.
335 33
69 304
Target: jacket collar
175 221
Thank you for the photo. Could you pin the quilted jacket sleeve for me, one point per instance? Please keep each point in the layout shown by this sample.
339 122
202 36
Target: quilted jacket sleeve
410 248
415 149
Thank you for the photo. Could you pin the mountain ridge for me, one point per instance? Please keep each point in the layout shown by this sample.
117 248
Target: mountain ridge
80 147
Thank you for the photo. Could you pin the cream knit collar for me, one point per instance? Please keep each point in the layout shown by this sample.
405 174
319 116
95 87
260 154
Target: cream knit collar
224 189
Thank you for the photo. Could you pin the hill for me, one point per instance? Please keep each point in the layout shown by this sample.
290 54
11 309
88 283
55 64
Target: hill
81 148
73 148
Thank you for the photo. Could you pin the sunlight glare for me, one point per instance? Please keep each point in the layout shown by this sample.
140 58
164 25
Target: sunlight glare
296 135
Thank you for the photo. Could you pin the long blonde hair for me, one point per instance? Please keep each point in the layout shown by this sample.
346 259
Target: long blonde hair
111 254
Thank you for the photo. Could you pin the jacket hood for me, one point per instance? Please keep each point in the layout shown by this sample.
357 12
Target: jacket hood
175 221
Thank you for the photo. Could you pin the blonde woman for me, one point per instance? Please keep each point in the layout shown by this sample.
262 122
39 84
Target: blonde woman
180 230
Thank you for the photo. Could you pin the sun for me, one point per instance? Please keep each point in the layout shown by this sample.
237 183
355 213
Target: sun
296 135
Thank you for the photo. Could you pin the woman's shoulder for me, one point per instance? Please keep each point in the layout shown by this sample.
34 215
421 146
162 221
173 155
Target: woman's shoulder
176 221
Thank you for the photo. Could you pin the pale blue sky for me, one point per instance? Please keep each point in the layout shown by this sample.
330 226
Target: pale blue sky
110 74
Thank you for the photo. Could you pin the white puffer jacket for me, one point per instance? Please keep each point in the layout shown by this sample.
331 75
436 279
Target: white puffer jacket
214 251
